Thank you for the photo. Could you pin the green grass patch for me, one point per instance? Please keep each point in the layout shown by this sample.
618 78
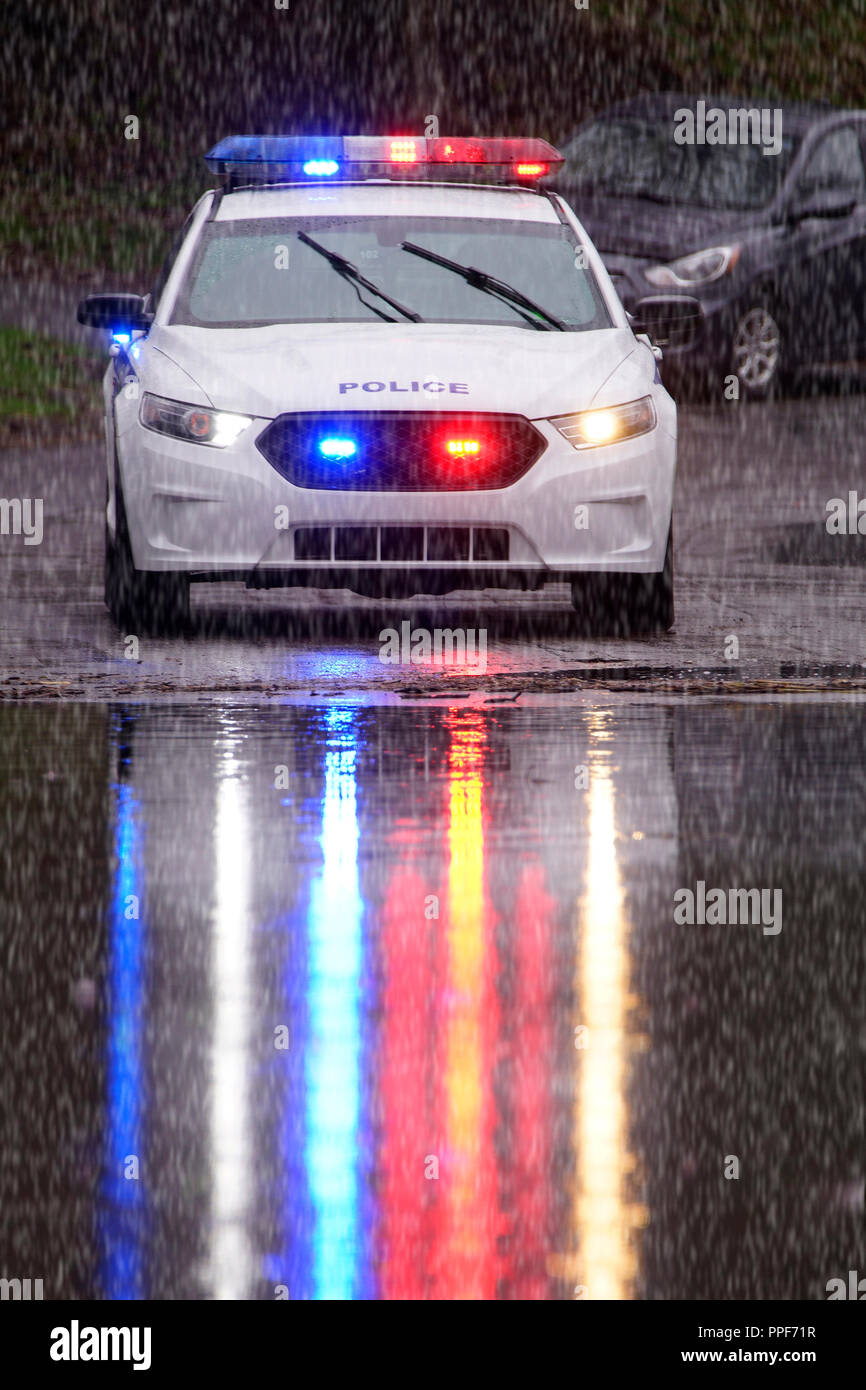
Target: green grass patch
49 389
119 231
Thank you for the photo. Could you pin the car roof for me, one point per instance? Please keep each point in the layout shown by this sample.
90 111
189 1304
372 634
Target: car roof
797 116
380 198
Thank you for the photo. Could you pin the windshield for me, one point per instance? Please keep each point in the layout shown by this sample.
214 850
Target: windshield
248 273
639 158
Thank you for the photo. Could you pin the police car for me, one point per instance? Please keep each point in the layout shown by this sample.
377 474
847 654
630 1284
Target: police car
391 365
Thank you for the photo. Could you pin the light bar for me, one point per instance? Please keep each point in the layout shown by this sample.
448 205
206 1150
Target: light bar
269 157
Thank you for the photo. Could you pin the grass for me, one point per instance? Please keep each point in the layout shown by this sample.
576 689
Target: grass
119 232
49 390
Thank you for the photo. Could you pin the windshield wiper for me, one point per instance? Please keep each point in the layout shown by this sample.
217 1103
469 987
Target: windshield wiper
351 273
488 284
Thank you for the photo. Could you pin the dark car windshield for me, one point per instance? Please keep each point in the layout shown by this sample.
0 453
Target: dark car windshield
246 273
639 158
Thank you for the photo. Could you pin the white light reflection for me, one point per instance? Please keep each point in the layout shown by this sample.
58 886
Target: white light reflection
604 1217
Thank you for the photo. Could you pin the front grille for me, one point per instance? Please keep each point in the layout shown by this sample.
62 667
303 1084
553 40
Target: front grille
401 451
313 543
430 545
402 543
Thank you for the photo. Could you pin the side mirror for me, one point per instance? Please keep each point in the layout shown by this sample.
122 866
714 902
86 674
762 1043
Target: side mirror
832 202
116 312
668 320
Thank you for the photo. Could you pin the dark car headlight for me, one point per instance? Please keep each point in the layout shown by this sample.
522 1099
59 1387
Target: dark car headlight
197 424
700 268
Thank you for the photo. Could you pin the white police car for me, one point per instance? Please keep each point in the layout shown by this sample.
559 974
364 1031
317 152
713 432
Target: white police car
396 366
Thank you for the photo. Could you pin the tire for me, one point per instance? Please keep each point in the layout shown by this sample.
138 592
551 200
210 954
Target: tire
140 601
757 357
626 605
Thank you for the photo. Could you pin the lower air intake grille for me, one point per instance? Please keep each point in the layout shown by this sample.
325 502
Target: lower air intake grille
401 451
403 544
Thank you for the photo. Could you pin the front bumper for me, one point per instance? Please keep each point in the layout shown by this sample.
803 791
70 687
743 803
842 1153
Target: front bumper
223 513
720 302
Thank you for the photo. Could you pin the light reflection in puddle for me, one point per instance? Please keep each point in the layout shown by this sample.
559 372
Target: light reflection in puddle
428 907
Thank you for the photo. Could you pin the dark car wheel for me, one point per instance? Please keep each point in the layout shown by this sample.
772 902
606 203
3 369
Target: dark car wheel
139 601
756 355
626 605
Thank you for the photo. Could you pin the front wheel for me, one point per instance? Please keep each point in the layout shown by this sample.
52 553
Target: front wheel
626 605
756 358
138 600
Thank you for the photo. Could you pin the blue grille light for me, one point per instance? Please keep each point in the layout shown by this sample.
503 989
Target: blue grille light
322 168
337 448
121 337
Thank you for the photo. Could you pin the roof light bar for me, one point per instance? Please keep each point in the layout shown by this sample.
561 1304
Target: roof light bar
270 157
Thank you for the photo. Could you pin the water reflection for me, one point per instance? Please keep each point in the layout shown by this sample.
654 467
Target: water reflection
340 1007
464 1260
333 1071
400 1138
607 1262
123 1188
231 1141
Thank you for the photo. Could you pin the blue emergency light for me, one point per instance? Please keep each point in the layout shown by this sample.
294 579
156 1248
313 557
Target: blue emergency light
321 168
338 448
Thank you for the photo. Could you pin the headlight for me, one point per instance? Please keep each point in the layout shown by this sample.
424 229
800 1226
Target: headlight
590 428
194 423
698 269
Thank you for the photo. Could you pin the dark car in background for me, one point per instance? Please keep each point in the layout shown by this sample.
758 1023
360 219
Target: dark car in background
771 245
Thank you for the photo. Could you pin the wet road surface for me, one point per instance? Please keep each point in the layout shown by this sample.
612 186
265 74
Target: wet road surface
383 1001
753 560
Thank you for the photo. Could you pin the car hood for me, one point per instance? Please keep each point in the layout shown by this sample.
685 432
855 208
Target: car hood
265 371
656 231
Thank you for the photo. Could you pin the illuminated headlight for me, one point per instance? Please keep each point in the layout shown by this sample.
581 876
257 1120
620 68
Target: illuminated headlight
590 428
194 423
698 269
